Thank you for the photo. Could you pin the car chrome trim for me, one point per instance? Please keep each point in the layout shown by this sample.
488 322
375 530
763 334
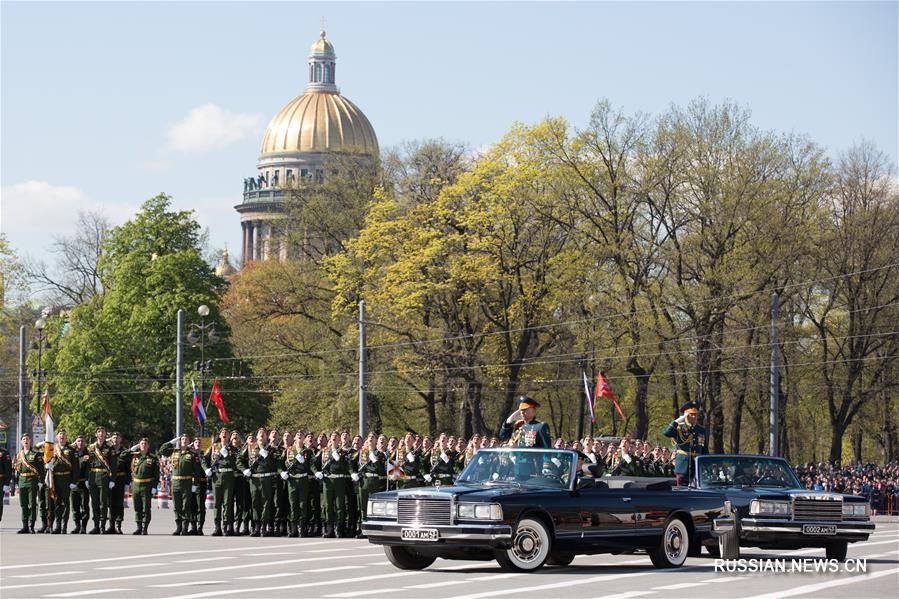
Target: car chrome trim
771 525
500 532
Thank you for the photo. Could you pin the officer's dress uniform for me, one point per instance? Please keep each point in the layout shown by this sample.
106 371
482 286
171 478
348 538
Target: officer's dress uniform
690 442
198 499
29 472
101 471
260 462
282 503
628 465
144 468
5 475
335 471
243 506
298 465
186 470
372 477
45 502
352 498
530 434
413 465
121 457
80 495
221 463
444 468
64 468
317 514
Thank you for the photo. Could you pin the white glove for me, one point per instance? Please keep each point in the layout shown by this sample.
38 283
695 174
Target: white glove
372 456
682 419
174 441
335 455
263 452
153 491
87 483
557 462
6 488
355 477
626 457
319 475
300 459
135 447
208 472
193 488
73 486
284 475
111 484
248 473
444 457
127 488
495 475
428 478
40 485
410 457
223 452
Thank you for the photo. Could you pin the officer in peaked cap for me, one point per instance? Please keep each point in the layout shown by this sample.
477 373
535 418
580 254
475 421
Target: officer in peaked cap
690 440
522 427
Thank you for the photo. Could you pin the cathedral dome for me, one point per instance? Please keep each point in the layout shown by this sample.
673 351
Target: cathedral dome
320 120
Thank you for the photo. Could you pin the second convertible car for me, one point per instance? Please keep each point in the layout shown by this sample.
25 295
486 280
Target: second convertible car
530 507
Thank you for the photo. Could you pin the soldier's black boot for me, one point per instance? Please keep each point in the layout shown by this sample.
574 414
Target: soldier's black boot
24 530
77 528
143 529
96 529
57 529
292 530
177 528
43 527
106 530
193 529
305 530
110 530
84 526
199 529
218 529
328 531
118 527
65 526
255 532
268 530
31 528
229 529
138 530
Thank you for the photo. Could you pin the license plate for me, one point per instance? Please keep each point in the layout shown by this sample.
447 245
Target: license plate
818 529
419 534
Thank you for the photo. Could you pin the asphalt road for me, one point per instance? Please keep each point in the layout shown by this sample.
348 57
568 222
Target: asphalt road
158 565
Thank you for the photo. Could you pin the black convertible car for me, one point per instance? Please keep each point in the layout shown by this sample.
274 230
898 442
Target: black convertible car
530 507
775 512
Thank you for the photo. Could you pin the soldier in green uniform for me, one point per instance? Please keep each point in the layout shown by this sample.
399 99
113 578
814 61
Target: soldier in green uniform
282 507
5 475
689 439
335 477
316 488
372 474
220 464
80 495
144 468
63 466
121 460
186 470
352 499
523 429
297 472
413 464
100 471
45 502
257 461
243 512
29 468
628 463
443 468
198 491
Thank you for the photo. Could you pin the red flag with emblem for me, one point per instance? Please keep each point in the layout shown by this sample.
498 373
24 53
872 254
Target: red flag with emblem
216 398
604 389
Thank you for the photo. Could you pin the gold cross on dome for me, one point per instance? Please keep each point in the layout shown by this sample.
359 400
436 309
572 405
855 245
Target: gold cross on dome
322 25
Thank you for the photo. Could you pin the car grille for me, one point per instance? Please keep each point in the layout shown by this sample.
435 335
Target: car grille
817 509
436 512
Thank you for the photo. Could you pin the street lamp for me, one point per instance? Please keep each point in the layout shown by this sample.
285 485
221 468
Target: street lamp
40 345
199 334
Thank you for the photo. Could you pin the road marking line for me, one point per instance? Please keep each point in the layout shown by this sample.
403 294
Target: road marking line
434 585
359 593
378 564
187 584
626 595
209 559
335 569
197 571
495 576
725 579
150 565
261 576
811 588
287 587
326 550
91 592
275 553
44 574
681 585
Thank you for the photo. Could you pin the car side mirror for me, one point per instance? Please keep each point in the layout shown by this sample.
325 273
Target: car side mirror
586 482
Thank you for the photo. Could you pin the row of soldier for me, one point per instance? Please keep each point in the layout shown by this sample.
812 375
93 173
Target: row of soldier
267 484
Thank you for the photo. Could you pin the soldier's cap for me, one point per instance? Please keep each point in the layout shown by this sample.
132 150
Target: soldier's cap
525 402
691 407
62 430
223 430
79 437
115 434
100 428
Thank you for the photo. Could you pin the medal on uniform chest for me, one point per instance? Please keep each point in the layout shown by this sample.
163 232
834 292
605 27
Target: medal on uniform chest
530 438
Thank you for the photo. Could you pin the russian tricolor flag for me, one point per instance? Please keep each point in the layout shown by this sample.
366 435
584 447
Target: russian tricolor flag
199 412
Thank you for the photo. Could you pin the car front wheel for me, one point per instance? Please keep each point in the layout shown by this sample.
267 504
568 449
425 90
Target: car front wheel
406 559
531 545
672 550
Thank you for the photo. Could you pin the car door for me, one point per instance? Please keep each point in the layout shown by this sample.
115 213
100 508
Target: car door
607 515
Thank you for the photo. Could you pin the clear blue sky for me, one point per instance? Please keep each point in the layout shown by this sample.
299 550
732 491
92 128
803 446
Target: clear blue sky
92 92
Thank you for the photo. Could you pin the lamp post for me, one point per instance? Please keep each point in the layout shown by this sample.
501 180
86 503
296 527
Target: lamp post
198 335
40 345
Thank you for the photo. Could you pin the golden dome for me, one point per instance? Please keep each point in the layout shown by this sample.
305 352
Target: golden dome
321 47
320 122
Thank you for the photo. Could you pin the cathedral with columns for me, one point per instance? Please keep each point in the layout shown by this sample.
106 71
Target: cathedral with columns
295 147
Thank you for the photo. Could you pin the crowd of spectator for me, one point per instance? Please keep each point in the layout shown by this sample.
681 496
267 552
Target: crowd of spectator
879 484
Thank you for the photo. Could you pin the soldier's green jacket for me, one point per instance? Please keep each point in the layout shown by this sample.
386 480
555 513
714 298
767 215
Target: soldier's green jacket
222 466
98 459
331 464
64 464
185 462
530 434
372 462
122 458
415 467
5 468
632 467
689 441
29 468
445 468
299 462
252 458
143 469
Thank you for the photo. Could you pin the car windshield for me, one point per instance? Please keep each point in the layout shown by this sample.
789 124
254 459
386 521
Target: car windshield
525 468
745 471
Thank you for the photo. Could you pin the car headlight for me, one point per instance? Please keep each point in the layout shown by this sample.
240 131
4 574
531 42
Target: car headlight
479 511
770 508
857 510
381 508
390 508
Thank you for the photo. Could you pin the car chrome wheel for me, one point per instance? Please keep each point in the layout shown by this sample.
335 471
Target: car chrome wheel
530 548
674 546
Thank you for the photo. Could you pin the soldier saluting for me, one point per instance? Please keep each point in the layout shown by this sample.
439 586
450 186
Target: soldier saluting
100 479
29 471
522 427
221 461
689 438
144 467
186 470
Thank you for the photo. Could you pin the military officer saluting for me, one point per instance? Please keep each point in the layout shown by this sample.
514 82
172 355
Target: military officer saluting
443 470
412 463
100 479
257 462
522 427
186 470
144 467
5 474
64 466
80 494
29 471
335 477
689 438
221 462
